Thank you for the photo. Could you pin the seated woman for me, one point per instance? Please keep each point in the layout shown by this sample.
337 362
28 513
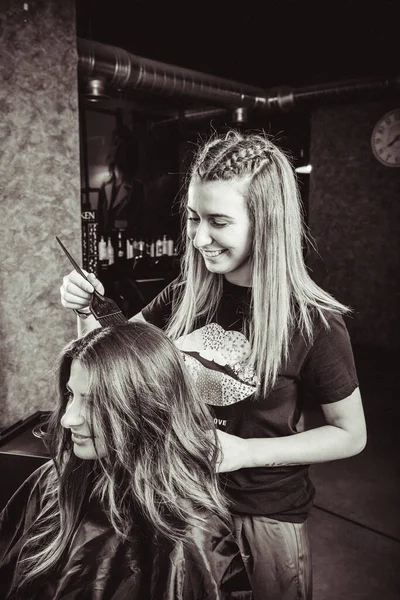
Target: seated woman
128 507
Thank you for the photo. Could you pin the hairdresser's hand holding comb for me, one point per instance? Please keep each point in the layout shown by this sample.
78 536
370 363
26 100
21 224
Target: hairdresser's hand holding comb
76 294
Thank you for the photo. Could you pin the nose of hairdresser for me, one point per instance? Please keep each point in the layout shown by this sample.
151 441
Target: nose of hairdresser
76 292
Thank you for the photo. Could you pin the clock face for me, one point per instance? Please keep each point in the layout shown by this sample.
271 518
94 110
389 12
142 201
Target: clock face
385 140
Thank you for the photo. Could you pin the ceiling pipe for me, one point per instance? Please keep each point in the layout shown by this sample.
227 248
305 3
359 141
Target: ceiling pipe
354 88
125 71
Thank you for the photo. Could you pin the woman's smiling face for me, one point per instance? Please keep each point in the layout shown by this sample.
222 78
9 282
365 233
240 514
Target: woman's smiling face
76 416
219 227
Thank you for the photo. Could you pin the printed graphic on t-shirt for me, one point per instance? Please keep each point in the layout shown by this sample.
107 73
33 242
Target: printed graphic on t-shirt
216 360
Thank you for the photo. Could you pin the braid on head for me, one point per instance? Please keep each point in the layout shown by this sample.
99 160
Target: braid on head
283 295
235 155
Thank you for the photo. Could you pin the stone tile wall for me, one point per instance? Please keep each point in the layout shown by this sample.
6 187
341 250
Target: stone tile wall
39 195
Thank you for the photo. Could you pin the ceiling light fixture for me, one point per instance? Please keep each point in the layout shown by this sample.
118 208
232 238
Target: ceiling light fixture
95 90
240 115
304 169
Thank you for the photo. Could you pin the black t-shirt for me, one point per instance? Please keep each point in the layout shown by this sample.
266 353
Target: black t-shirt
322 369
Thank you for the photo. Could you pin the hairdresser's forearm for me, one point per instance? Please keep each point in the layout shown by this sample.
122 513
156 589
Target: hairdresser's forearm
86 325
343 435
322 444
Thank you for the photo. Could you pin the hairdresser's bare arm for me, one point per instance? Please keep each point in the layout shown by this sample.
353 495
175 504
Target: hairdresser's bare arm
138 317
342 435
76 293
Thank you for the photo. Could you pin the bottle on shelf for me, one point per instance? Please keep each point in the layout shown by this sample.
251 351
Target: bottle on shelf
102 249
170 246
110 252
141 248
164 245
159 247
121 248
102 254
142 262
129 248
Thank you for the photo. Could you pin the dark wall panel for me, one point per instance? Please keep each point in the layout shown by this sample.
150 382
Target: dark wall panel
354 216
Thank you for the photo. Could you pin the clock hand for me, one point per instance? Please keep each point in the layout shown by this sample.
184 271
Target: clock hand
394 140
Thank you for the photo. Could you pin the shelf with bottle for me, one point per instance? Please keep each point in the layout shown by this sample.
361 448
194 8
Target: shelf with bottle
112 248
106 255
146 259
155 258
153 248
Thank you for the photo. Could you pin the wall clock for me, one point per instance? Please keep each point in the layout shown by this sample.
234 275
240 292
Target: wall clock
385 139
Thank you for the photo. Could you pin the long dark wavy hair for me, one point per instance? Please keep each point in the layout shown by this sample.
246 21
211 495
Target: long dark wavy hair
160 441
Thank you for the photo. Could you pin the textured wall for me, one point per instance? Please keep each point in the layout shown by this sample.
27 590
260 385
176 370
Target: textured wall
355 220
40 197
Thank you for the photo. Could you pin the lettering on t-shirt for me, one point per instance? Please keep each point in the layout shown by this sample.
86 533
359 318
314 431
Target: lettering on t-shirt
220 422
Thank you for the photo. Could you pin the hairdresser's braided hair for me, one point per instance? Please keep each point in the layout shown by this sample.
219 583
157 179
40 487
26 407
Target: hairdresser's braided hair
283 295
232 156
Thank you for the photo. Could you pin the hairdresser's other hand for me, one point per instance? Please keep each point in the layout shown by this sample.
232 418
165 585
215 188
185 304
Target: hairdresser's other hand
233 452
76 292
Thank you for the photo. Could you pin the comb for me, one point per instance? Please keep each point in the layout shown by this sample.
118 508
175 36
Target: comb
105 310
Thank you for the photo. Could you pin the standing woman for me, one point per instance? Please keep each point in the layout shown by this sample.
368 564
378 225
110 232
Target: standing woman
259 337
128 507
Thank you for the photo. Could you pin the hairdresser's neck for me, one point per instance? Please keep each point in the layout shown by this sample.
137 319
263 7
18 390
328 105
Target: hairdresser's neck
241 279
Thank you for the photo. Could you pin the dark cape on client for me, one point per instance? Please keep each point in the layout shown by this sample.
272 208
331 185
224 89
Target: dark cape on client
101 566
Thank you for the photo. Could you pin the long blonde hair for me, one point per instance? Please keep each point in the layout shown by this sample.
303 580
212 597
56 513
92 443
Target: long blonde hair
160 440
283 295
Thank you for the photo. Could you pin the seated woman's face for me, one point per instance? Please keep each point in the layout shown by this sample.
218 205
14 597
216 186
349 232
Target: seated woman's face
76 414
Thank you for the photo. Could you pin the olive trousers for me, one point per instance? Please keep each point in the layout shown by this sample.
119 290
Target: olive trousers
277 556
